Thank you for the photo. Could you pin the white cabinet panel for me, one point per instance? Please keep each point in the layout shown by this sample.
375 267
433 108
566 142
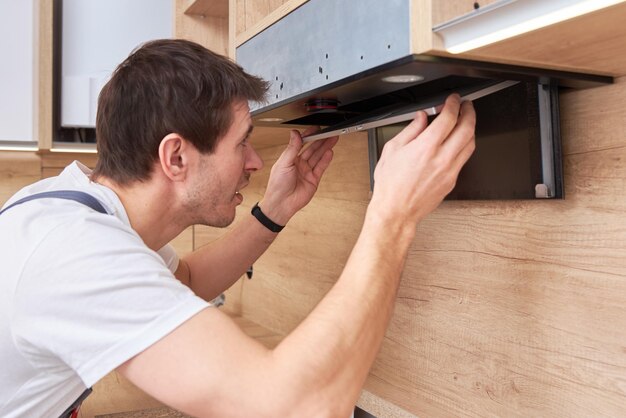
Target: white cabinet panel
17 70
98 35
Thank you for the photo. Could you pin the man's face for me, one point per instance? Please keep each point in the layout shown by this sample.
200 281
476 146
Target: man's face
215 190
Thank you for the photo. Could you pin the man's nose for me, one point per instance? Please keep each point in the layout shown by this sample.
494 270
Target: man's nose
253 159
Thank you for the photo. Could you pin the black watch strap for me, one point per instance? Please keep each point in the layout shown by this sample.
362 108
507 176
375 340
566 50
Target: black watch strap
267 222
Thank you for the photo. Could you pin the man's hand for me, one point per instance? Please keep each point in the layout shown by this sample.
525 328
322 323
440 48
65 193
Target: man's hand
295 176
420 165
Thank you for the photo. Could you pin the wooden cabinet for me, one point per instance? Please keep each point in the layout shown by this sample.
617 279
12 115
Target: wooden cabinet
568 35
203 21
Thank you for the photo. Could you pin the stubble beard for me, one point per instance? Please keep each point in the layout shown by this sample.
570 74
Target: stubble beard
204 209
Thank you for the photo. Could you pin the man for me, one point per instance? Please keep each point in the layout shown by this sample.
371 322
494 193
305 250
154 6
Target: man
85 293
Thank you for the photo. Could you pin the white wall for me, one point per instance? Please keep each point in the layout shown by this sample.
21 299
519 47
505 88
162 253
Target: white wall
17 70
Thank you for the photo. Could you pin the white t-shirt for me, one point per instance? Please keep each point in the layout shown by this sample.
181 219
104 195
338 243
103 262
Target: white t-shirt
80 293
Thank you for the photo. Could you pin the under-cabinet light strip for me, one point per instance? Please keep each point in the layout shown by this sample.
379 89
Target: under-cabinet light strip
75 150
18 146
466 34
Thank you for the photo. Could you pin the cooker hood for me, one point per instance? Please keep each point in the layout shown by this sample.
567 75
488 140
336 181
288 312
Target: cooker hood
340 63
414 79
331 60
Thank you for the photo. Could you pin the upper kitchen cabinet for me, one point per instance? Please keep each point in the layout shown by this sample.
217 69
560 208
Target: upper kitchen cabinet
567 35
576 35
203 21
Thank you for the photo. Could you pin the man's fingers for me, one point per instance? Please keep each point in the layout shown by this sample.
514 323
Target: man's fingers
464 155
412 130
462 133
443 124
310 130
293 149
323 164
461 143
325 145
313 147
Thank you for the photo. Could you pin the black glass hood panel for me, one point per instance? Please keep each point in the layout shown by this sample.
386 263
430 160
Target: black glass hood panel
367 91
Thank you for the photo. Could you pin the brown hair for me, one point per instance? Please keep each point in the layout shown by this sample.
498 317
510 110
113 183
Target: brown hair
166 86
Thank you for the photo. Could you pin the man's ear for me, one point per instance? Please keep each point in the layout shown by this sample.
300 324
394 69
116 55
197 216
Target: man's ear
174 156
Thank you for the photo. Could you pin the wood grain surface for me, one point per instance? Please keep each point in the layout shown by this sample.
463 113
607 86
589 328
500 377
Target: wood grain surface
17 169
205 8
506 308
443 11
590 43
210 29
256 15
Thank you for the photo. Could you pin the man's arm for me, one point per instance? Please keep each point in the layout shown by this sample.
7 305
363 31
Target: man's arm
293 181
216 266
207 367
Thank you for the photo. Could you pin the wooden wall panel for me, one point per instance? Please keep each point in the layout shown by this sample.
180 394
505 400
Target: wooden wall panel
204 235
519 308
63 159
506 308
17 169
183 243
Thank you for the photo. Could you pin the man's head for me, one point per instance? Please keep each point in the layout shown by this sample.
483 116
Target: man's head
164 87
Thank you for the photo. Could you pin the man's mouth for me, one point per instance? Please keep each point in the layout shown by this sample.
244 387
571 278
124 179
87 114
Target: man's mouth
238 198
243 186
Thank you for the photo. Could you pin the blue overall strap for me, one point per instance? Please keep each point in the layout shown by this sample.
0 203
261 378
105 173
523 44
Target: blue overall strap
87 200
80 197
